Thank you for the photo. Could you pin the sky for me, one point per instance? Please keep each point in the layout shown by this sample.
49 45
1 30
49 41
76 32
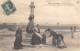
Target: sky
46 12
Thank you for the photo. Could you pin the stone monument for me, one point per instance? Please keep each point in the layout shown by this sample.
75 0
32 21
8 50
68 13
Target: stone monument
30 26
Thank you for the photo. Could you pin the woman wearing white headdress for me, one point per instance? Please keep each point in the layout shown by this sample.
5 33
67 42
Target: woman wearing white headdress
36 37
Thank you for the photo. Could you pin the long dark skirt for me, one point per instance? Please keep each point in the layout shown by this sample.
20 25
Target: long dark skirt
44 39
17 43
54 43
36 40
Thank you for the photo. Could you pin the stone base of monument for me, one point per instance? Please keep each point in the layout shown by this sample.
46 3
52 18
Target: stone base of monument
27 39
27 42
35 46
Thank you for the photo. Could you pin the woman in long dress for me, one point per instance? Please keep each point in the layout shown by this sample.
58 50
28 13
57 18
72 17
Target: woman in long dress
36 37
18 40
44 38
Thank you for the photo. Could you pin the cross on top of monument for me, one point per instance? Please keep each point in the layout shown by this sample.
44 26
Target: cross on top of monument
32 5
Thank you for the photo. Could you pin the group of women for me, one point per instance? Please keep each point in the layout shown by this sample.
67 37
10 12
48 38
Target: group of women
37 38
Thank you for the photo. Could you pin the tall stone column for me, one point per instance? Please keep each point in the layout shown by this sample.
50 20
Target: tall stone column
32 6
30 26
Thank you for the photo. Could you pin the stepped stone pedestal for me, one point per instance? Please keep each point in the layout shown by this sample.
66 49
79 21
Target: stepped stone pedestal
27 39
